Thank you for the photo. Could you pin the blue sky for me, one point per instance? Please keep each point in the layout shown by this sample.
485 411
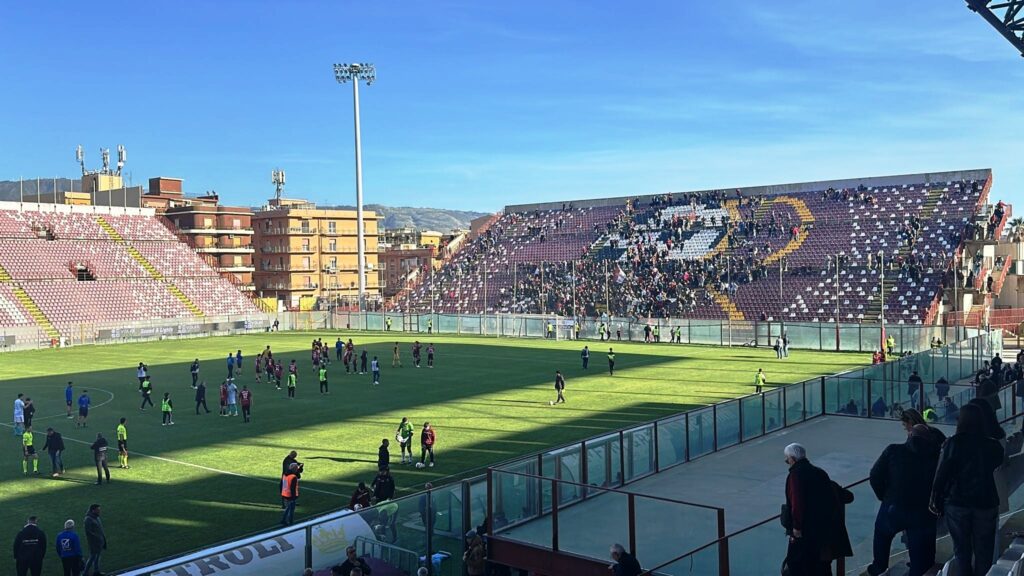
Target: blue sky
482 104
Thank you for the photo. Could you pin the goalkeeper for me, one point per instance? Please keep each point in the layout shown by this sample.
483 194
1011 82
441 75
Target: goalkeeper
404 437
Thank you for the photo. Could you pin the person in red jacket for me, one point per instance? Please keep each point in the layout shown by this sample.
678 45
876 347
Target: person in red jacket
427 441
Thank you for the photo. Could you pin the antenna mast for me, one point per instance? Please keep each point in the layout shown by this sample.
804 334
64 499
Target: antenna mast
277 177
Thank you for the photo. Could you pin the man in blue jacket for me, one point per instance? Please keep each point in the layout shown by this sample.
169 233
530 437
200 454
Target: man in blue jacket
69 549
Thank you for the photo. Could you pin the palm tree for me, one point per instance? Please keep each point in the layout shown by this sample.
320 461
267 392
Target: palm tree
1016 225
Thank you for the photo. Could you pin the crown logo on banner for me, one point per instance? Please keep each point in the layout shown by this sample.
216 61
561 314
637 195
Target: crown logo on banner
328 540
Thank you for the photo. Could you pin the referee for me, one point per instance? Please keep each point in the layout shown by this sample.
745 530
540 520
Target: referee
122 444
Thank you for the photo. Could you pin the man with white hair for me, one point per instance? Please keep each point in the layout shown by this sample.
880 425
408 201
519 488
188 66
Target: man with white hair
812 517
625 564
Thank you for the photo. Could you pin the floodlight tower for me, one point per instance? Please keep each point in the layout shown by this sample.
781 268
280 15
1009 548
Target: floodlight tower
355 73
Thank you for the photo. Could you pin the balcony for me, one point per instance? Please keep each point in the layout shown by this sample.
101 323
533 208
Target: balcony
225 249
236 268
213 230
286 250
287 268
286 287
287 231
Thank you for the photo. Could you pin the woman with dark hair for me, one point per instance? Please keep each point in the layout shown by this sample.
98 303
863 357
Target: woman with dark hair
965 491
911 417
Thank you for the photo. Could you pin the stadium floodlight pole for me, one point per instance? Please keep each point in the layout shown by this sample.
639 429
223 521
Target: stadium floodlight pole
728 286
607 307
355 73
881 277
956 303
837 302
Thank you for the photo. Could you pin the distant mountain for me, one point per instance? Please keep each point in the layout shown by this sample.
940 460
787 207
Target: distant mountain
11 189
436 219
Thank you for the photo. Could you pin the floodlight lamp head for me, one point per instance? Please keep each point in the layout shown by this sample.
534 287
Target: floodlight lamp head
355 72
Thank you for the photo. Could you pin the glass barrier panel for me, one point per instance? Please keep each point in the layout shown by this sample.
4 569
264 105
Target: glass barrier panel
752 408
470 324
516 498
812 395
832 402
794 396
870 338
860 524
449 532
804 336
828 336
773 413
447 323
849 338
383 523
852 395
578 532
701 432
639 451
604 461
671 441
701 563
477 500
665 529
759 550
727 425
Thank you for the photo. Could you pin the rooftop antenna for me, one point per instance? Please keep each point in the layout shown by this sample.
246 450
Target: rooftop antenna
122 157
80 157
105 153
277 177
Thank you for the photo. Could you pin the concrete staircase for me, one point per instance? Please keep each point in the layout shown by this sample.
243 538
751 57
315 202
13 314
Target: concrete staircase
148 267
732 207
29 305
727 305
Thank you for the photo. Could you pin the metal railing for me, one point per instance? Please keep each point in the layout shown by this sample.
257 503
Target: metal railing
848 337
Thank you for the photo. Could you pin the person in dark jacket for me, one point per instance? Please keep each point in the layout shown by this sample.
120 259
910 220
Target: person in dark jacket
965 491
625 563
899 478
96 538
201 396
383 486
29 549
351 563
989 420
54 446
383 455
817 530
69 549
360 497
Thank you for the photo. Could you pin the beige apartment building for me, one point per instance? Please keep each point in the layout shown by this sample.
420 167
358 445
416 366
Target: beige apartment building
305 254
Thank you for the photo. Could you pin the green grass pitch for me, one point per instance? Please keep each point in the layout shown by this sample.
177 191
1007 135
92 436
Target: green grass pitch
209 478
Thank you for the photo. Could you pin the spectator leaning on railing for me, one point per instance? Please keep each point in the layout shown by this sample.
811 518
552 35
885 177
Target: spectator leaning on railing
965 491
898 478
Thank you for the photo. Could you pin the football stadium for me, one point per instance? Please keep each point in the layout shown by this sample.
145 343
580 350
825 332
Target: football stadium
805 377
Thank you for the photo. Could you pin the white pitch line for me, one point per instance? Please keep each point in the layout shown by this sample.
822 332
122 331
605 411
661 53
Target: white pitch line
179 462
104 403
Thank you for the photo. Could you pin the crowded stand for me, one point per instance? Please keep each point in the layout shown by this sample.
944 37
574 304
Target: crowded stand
800 256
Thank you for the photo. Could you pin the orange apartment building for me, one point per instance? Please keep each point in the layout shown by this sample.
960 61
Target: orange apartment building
304 254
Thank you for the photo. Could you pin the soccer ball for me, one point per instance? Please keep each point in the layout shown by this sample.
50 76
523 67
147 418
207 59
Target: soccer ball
419 465
551 402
